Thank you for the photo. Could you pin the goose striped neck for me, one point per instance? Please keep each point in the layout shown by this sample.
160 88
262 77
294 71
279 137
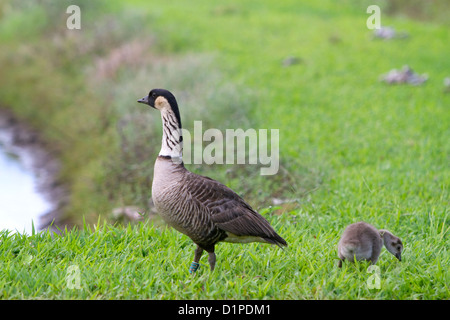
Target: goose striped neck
172 140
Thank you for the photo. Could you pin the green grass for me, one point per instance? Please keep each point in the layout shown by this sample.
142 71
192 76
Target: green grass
351 147
147 261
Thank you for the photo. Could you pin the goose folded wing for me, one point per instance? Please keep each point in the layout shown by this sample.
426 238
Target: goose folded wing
230 212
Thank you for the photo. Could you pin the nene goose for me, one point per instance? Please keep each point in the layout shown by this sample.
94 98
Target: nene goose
362 241
203 209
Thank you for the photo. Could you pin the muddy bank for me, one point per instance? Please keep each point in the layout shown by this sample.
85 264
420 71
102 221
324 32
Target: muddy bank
38 157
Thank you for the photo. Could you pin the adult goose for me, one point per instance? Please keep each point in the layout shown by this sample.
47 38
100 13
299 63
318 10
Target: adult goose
203 209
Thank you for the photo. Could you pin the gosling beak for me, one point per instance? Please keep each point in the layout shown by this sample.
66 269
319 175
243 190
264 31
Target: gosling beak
143 100
398 255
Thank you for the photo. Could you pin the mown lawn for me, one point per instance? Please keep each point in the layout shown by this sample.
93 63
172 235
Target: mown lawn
351 147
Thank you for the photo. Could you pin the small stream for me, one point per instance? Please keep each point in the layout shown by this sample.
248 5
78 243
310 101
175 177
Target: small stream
29 192
20 203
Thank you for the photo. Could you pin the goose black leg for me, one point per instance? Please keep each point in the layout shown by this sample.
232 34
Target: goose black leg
212 260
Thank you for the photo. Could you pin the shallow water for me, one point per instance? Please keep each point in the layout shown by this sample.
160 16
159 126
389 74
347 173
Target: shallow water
20 203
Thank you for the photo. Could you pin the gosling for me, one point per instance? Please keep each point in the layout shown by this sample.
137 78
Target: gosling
362 241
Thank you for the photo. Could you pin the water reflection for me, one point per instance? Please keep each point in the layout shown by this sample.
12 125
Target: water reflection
20 204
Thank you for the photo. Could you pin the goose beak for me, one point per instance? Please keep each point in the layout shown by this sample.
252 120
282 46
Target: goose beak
398 256
143 100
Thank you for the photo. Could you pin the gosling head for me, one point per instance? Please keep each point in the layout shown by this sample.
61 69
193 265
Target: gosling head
163 100
392 243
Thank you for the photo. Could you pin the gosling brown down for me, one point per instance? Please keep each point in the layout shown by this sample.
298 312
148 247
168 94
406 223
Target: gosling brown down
362 241
203 209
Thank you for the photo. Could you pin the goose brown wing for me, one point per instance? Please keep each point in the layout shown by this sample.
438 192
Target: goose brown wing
229 211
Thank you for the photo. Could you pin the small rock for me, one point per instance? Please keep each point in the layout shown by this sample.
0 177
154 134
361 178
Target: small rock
405 75
447 84
129 213
289 61
278 201
388 33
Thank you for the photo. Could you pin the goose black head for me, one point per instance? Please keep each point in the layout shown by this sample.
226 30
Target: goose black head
161 99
